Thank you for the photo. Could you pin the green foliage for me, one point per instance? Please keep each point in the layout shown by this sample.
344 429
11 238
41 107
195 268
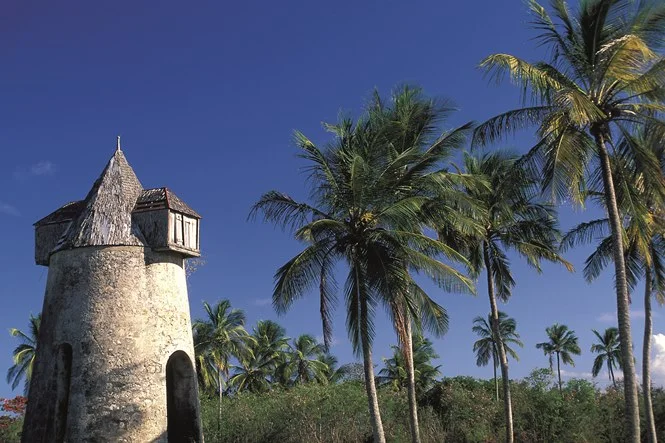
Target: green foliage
217 339
24 354
306 361
11 420
603 76
562 344
305 413
394 373
466 409
458 409
10 429
265 363
485 347
608 352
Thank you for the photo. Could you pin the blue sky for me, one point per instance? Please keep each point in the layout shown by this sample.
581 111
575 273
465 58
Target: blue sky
206 96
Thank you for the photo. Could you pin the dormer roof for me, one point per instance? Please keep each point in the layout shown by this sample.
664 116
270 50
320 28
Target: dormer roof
157 198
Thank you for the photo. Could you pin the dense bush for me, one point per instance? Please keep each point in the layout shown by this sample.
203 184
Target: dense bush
305 413
459 409
11 420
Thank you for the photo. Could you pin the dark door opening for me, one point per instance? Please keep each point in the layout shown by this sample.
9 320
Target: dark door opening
182 400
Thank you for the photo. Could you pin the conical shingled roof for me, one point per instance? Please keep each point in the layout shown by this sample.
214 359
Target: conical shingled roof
106 218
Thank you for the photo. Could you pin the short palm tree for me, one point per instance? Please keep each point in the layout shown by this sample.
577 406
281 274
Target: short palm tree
217 339
395 373
253 374
513 217
485 347
604 76
266 363
304 360
333 372
562 344
361 217
608 352
24 354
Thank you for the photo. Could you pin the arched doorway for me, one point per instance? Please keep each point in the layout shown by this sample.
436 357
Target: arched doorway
182 400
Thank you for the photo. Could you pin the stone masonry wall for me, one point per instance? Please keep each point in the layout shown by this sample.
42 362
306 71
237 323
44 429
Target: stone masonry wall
124 310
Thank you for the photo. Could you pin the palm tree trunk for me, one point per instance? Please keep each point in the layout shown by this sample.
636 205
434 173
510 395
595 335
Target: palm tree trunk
370 386
411 381
496 381
646 357
496 332
623 308
558 370
219 408
614 383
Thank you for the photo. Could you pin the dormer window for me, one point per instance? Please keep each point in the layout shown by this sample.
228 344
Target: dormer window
167 222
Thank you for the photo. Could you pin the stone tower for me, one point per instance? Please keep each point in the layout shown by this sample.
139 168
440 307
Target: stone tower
115 354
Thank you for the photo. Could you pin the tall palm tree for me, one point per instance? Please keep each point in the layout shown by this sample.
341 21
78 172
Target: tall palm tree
513 218
409 120
608 352
24 354
640 198
604 76
395 372
217 339
563 344
360 216
485 348
305 362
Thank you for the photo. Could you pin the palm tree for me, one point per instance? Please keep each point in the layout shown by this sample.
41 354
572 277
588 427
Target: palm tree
485 347
604 76
395 372
304 360
608 352
24 354
640 198
334 373
409 120
360 216
266 364
515 218
253 374
217 339
563 344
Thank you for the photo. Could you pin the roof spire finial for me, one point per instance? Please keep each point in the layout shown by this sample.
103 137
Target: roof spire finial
117 146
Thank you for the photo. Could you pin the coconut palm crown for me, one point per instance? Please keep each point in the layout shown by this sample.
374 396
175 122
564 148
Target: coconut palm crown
485 347
607 348
562 344
394 372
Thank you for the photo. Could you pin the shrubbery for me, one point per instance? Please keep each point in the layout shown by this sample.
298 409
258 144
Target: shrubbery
11 420
305 413
459 409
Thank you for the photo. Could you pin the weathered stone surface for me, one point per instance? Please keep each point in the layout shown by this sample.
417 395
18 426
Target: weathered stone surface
124 311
